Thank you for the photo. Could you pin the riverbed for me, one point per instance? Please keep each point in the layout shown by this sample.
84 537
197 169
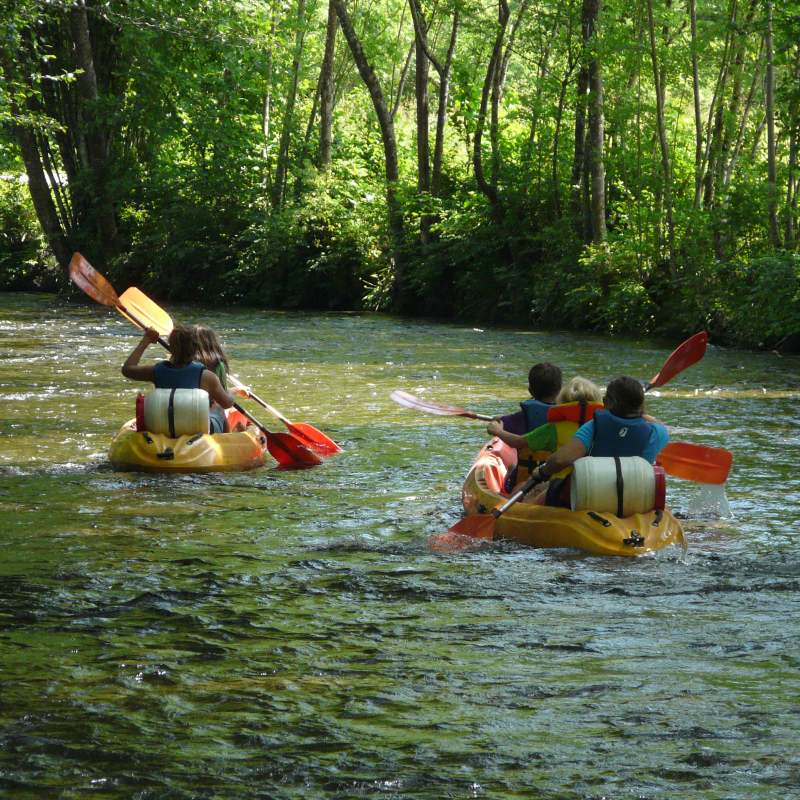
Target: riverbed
289 634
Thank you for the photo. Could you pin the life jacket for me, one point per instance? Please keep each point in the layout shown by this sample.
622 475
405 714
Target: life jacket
567 418
168 377
615 436
535 413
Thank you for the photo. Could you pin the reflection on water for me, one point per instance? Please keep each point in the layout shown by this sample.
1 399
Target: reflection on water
288 634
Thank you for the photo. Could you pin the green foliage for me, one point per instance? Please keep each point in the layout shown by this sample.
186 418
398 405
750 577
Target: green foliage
321 253
24 265
763 300
185 86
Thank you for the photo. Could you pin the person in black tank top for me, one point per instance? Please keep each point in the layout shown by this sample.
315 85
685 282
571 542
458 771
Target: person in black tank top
181 371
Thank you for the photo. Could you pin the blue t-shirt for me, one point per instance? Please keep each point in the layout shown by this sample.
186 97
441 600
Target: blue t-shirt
655 444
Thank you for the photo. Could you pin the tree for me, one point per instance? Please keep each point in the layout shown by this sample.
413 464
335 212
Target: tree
392 166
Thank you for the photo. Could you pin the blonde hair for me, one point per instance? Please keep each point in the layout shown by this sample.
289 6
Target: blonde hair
580 389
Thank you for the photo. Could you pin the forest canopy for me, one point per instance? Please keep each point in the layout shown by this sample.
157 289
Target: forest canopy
591 163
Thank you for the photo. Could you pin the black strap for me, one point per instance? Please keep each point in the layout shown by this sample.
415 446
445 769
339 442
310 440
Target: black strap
584 408
171 414
620 486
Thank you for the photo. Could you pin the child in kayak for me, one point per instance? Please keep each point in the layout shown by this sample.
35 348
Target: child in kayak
214 358
576 404
621 429
544 384
181 371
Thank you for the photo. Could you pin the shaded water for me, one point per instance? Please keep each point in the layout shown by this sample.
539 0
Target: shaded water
275 634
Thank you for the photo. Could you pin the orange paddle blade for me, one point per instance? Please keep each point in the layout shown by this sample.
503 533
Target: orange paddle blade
476 526
694 462
91 281
690 352
143 310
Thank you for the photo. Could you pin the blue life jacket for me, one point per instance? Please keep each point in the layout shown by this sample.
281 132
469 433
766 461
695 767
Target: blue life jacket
615 436
535 413
168 377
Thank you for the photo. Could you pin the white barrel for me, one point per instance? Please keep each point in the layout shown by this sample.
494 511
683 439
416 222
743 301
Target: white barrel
189 412
594 485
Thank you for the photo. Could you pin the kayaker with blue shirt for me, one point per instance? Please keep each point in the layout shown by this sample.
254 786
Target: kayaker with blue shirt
620 429
180 372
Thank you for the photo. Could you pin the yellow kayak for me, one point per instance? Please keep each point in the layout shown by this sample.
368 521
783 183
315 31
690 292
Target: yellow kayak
543 526
219 452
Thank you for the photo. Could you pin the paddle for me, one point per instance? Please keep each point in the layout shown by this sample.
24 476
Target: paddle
695 462
690 352
480 526
283 447
149 311
429 407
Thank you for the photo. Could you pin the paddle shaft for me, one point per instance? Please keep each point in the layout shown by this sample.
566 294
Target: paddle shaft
275 413
516 497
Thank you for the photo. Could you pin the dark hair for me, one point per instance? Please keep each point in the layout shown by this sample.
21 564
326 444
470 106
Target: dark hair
544 380
209 351
182 345
625 397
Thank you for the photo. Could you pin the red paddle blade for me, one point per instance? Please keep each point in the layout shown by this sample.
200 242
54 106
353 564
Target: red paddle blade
288 452
428 406
91 281
476 526
694 462
312 438
690 352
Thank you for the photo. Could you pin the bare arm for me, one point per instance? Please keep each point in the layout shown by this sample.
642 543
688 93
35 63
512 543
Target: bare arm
131 368
495 428
210 382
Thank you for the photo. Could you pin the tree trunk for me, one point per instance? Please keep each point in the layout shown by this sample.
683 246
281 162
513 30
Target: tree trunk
578 161
39 189
288 114
266 114
423 117
326 91
95 134
394 209
662 138
490 84
441 111
596 131
774 230
698 122
556 135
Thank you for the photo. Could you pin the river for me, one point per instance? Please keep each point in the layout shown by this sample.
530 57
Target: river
288 634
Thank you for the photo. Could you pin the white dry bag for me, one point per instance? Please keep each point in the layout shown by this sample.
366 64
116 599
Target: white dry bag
621 486
175 412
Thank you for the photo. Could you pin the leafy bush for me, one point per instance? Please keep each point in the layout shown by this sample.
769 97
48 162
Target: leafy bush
763 300
24 262
320 254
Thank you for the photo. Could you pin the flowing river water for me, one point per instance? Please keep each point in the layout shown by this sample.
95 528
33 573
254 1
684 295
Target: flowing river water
288 634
